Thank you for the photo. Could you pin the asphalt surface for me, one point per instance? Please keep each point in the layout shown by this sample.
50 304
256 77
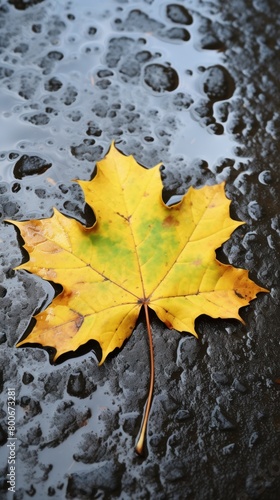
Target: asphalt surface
195 85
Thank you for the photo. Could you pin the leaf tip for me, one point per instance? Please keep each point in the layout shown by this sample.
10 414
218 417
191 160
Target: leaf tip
22 342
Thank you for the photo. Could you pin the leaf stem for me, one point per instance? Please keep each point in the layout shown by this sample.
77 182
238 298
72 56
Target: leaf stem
141 440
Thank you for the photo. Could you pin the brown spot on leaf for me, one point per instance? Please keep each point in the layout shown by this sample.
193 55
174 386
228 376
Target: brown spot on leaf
197 262
170 221
168 324
123 216
79 321
51 274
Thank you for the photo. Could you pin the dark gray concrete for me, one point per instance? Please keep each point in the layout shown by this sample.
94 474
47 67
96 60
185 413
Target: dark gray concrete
193 84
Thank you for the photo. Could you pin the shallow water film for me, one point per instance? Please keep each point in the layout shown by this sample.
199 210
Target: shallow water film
195 85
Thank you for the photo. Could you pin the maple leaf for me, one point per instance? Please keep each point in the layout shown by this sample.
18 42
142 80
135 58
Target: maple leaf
139 253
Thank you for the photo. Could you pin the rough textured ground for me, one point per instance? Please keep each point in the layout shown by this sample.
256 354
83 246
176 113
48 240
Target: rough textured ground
193 84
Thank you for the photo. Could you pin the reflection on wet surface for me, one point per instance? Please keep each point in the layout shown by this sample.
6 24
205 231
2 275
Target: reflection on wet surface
83 72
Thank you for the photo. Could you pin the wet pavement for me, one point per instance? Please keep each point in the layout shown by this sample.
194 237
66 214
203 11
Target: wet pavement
195 85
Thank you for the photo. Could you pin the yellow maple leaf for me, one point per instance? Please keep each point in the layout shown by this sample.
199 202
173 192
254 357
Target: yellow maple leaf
140 252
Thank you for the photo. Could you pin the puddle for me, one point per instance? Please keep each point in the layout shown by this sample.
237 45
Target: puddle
80 37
